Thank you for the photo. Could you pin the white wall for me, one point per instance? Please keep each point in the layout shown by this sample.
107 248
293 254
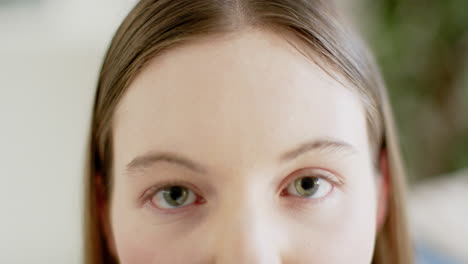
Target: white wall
49 60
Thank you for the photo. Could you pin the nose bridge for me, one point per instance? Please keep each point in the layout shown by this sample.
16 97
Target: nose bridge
246 229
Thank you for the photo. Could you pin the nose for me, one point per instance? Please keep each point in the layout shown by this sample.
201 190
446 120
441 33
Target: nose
247 233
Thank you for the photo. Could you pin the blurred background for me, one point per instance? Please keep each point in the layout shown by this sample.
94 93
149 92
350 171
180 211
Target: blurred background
50 54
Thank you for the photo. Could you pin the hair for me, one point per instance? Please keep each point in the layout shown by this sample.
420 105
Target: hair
155 26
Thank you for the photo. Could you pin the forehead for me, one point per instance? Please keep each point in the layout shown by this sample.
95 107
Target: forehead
241 92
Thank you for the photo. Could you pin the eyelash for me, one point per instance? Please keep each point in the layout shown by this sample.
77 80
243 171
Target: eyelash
334 181
324 174
150 193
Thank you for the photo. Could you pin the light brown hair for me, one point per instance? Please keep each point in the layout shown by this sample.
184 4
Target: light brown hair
313 26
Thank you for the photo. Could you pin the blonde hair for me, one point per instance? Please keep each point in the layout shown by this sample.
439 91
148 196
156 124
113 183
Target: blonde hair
154 26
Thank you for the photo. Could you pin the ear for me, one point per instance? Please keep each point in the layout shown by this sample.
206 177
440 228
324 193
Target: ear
383 189
103 207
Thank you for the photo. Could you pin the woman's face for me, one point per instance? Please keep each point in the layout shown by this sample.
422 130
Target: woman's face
241 150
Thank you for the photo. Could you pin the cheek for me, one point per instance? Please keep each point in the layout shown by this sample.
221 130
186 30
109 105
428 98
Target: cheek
133 244
133 249
136 242
348 243
140 241
343 233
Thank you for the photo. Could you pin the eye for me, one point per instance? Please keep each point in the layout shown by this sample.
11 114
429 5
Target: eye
174 196
309 187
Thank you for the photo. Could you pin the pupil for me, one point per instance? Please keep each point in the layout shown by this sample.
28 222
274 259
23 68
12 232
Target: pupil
307 183
175 192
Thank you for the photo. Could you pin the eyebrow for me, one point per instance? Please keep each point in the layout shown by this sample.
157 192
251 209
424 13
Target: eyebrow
322 145
147 160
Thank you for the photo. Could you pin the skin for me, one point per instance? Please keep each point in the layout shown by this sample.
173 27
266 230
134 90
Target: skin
234 105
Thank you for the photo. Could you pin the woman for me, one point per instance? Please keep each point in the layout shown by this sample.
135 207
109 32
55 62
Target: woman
242 132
